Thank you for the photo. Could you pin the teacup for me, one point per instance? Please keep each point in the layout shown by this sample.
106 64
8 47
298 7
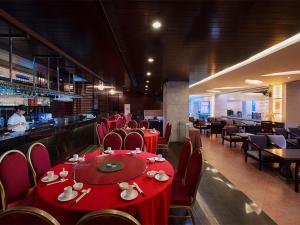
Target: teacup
124 186
68 191
162 174
159 156
50 174
109 149
152 160
63 173
75 157
129 191
137 149
151 173
77 186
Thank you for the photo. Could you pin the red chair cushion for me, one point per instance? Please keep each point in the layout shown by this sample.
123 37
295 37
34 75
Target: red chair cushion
104 128
184 157
40 159
144 123
112 140
119 123
132 124
193 173
29 198
14 175
180 195
100 133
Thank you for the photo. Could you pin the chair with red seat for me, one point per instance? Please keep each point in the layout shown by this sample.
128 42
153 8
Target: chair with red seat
14 179
144 123
184 157
104 128
119 123
100 133
104 120
122 133
112 140
132 124
184 194
39 160
133 140
25 215
108 216
163 143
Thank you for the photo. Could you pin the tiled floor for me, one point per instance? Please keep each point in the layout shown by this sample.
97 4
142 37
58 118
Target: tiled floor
270 193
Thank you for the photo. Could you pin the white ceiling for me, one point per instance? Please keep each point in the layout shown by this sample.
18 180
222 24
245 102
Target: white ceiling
280 60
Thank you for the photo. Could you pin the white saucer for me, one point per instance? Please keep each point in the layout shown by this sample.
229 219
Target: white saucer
73 160
164 178
46 179
160 160
109 151
125 197
61 197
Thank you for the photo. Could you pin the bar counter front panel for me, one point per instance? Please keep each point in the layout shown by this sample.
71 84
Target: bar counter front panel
61 140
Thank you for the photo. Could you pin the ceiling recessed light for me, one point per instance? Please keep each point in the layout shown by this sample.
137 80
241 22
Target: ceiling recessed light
289 77
282 73
228 88
146 86
147 81
150 60
253 94
156 24
213 91
253 82
148 73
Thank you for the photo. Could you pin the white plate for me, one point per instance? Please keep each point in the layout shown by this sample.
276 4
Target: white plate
61 197
109 151
164 178
133 195
47 180
160 160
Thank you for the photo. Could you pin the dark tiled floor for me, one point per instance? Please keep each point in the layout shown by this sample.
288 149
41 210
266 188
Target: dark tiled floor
218 201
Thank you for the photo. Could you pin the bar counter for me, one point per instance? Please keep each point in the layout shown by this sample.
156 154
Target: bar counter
62 140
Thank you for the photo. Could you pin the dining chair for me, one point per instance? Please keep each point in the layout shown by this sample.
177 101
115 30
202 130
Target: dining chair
133 140
122 133
104 120
144 123
277 141
100 133
229 134
14 179
108 216
39 160
184 158
112 140
25 215
257 144
119 123
163 143
132 124
104 128
184 194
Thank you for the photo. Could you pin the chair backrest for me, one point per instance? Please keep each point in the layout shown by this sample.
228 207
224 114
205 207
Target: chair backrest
260 140
216 127
281 131
39 160
104 128
278 140
14 177
112 140
100 134
295 131
133 140
266 127
169 131
140 131
108 216
184 157
104 120
144 123
231 129
119 123
132 124
193 174
26 215
122 133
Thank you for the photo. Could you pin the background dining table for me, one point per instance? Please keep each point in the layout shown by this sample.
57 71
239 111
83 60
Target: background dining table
152 208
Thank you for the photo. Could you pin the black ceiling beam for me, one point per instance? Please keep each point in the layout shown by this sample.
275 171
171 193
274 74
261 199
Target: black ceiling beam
14 36
13 21
116 41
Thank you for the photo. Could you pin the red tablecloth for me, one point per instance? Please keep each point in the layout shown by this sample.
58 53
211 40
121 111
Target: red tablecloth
153 208
151 141
111 124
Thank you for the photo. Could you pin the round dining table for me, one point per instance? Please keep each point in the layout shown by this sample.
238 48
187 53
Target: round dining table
151 208
151 139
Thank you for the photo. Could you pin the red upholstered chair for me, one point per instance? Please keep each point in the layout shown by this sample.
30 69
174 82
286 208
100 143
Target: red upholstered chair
104 120
25 215
184 157
163 143
100 133
14 179
39 160
106 217
133 140
119 123
112 140
165 134
184 194
144 123
104 128
132 124
122 133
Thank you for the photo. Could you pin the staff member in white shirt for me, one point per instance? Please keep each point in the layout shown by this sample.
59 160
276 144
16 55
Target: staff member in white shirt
17 121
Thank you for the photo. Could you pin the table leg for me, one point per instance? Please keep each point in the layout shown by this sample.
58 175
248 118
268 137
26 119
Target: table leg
285 170
296 177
